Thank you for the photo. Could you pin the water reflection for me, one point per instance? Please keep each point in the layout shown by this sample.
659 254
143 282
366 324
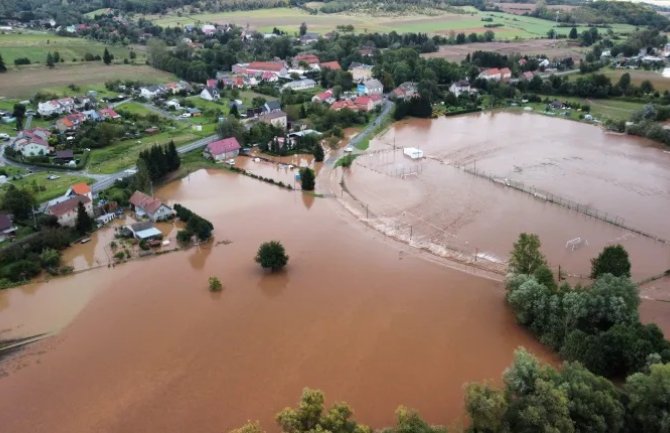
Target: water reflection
272 284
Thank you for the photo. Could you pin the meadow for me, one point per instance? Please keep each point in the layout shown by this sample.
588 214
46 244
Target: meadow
289 19
87 76
36 45
44 188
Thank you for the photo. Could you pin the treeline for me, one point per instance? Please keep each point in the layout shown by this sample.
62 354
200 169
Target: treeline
311 416
538 398
160 160
195 225
598 326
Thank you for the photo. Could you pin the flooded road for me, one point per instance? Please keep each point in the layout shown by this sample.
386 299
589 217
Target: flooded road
361 317
439 204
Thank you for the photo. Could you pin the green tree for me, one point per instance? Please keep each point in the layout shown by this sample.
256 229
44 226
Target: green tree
107 57
142 179
84 223
18 202
19 113
612 260
307 179
50 60
648 400
486 408
303 29
3 68
49 258
234 111
594 402
624 81
409 421
271 255
526 256
318 153
173 160
646 87
573 33
231 128
215 284
56 57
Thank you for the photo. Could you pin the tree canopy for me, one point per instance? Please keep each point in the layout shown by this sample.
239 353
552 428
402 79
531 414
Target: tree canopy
271 255
612 260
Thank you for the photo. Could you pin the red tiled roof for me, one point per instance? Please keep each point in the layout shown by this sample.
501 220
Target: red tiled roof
108 112
149 204
223 146
339 105
325 95
68 205
81 188
307 58
334 65
211 83
266 66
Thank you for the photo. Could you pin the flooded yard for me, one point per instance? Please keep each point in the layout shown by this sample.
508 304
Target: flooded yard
457 196
146 347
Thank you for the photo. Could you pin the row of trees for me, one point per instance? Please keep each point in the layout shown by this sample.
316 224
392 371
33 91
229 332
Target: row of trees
195 225
311 416
538 398
156 162
599 325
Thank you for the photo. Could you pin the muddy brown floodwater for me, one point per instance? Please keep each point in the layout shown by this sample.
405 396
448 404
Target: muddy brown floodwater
438 203
361 317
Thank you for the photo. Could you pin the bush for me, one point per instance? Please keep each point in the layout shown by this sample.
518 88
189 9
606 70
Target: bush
215 285
271 255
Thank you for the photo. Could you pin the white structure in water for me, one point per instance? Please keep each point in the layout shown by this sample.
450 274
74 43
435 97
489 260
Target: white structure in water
413 152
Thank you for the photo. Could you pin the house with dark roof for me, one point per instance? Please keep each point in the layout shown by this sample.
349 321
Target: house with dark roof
144 231
63 156
272 106
7 227
66 210
150 207
222 150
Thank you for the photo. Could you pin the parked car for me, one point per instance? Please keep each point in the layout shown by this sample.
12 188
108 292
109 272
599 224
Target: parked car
4 136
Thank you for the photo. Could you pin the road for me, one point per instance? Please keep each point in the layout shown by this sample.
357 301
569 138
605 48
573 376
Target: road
107 181
387 107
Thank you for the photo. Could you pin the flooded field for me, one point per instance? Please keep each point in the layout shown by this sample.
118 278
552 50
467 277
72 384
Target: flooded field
457 196
365 319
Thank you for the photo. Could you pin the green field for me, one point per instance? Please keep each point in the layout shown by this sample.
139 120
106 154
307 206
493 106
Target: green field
44 189
124 154
135 108
36 45
601 109
289 20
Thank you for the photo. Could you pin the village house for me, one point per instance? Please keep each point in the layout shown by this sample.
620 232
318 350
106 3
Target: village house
370 87
33 142
360 71
334 65
460 87
210 94
273 69
56 106
150 207
495 74
150 92
144 231
368 103
208 29
80 189
309 38
109 113
304 84
327 97
277 119
66 210
70 122
7 227
311 60
405 91
342 104
222 150
272 106
173 104
527 76
63 156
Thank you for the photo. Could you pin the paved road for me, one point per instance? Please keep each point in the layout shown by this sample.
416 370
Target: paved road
107 181
161 112
387 107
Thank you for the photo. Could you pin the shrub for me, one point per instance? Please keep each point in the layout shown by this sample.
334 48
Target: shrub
215 285
271 255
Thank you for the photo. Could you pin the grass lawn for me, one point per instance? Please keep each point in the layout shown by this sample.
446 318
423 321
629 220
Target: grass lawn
124 154
35 46
289 20
44 189
601 109
133 107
